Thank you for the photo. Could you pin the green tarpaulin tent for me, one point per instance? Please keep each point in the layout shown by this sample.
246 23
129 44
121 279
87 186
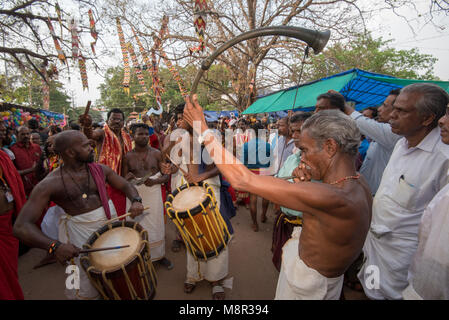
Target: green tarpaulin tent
365 89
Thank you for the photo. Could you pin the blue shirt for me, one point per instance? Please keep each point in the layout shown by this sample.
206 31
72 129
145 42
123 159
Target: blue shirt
256 154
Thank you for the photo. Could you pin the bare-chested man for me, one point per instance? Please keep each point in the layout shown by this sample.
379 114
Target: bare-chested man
113 142
78 186
336 213
143 163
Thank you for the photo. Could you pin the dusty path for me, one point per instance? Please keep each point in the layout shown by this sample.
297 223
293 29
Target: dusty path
254 276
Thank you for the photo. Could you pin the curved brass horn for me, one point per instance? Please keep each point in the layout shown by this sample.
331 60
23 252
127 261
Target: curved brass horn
315 39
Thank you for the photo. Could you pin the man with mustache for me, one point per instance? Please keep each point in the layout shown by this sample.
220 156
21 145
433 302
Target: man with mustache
27 155
79 188
336 211
113 143
429 272
417 171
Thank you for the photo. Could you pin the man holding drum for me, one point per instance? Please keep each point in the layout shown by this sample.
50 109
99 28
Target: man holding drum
216 269
79 187
336 212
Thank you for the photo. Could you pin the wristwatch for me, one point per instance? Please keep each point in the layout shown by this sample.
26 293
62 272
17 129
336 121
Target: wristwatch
136 199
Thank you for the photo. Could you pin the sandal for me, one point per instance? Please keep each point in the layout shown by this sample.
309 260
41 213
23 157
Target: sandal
166 263
176 245
218 292
189 287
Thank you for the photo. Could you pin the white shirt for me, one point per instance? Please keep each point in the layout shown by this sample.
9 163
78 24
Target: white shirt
429 273
379 151
411 179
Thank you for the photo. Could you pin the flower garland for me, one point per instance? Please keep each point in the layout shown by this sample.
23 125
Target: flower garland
61 55
199 21
93 31
137 67
127 69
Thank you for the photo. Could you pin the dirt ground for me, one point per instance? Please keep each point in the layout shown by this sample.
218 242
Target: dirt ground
250 266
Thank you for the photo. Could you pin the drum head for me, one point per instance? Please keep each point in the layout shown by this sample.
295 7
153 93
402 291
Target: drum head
189 198
110 259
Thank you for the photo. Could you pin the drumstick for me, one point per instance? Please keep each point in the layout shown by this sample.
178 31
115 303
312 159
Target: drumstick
126 215
103 249
86 111
179 168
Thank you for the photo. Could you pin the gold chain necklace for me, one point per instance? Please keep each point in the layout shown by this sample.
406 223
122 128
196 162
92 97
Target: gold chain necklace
346 178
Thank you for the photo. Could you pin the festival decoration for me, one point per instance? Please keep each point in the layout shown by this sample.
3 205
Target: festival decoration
127 70
61 55
171 68
17 117
83 71
146 59
73 27
45 89
59 14
137 67
199 21
93 30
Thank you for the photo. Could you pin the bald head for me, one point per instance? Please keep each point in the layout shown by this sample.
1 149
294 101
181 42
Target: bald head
23 135
67 139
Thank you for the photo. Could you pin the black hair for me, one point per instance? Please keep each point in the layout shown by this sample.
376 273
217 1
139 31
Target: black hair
33 124
135 126
374 110
179 108
336 99
115 110
74 126
395 92
300 116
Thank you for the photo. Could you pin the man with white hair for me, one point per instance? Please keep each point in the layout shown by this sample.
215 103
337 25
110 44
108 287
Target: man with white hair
336 211
417 170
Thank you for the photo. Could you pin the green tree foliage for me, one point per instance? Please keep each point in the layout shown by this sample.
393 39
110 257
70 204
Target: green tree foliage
369 54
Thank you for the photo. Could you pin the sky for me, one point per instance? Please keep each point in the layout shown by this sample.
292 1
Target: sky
426 38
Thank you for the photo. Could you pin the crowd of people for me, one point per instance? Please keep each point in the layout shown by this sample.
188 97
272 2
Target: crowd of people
360 198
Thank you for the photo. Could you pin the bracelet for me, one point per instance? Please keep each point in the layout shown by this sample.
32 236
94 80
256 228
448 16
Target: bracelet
53 246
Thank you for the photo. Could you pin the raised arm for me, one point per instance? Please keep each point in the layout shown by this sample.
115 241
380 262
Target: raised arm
306 196
379 132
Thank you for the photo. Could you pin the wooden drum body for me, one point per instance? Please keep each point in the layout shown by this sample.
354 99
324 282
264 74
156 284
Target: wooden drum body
193 209
122 274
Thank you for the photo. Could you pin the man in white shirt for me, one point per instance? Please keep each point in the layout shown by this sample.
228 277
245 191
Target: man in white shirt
429 273
384 140
417 170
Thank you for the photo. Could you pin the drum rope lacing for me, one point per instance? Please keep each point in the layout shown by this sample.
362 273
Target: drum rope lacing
142 273
185 233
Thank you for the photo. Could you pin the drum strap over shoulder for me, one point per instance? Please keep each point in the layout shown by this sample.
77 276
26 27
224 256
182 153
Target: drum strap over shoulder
98 175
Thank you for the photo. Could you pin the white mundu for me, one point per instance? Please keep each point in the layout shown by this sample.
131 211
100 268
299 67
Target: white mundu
77 230
297 281
215 268
152 219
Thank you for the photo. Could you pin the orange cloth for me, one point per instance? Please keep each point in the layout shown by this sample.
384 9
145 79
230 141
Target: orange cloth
111 151
112 155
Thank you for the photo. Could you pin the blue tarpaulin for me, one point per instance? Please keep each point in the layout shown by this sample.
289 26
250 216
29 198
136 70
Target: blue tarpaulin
365 89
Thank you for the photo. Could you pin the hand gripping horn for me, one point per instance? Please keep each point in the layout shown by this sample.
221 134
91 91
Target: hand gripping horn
315 39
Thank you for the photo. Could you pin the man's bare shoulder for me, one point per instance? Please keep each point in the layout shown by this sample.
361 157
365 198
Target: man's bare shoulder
155 153
52 183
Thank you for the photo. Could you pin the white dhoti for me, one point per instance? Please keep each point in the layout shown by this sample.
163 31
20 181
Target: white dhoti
76 230
50 223
297 281
152 219
216 268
